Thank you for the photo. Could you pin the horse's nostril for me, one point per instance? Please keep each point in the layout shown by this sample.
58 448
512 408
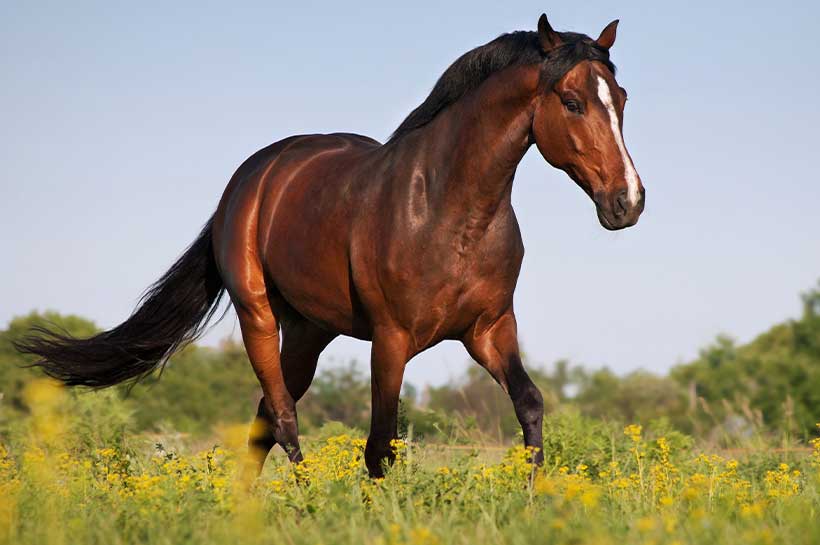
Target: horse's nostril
621 204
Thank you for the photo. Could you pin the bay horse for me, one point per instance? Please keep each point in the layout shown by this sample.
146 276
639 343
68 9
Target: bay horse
404 244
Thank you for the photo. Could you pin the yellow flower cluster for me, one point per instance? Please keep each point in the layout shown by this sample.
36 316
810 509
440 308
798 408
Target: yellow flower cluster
655 482
656 487
715 480
782 482
564 486
515 467
341 457
9 489
815 454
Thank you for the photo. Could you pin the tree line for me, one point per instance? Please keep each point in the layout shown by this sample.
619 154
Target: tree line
729 392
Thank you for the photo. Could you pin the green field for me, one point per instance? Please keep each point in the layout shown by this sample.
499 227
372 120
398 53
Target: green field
723 449
70 474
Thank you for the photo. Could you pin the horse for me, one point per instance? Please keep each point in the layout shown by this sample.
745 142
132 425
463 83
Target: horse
404 244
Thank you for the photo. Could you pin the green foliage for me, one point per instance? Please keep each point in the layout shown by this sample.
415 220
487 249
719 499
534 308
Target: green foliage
730 393
337 394
642 488
199 389
478 396
776 376
82 467
13 373
637 397
99 418
571 439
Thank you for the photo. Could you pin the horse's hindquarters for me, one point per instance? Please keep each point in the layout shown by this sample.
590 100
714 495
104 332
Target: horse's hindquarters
285 229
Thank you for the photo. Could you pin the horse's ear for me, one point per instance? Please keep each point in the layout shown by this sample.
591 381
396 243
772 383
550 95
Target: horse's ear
548 38
607 37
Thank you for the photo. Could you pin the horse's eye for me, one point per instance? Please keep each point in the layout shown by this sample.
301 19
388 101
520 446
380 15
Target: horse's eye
573 106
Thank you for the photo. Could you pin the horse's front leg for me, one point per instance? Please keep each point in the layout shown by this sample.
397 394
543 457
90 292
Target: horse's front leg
389 355
496 349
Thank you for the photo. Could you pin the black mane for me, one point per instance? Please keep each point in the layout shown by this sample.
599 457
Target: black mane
513 49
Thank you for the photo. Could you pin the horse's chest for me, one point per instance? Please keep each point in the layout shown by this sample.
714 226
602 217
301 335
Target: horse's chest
439 294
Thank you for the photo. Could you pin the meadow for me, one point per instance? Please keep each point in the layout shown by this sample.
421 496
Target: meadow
723 449
71 472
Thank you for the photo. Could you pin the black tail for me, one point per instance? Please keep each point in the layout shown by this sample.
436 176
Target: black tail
172 313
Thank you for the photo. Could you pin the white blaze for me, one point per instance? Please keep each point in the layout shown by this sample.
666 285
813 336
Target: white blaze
632 186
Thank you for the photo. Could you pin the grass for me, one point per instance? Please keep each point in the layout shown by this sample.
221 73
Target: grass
62 481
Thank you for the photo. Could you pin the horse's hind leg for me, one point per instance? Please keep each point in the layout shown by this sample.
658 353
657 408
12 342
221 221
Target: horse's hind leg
302 343
260 333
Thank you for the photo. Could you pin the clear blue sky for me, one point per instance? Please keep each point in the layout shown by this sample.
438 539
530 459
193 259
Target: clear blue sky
121 125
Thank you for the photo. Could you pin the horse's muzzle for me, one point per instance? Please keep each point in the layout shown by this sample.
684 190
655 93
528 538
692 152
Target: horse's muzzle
616 212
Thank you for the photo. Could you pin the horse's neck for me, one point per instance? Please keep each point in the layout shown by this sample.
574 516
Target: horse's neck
476 145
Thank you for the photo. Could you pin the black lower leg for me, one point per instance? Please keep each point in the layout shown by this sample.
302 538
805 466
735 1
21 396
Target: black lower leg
378 453
529 408
287 435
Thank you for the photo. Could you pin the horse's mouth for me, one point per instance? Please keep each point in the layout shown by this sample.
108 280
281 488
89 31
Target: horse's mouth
610 222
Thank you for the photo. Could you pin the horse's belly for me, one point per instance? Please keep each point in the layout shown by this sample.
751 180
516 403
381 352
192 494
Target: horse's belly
318 288
306 254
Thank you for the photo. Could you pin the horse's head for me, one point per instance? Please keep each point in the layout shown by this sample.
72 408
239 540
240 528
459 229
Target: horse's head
578 119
